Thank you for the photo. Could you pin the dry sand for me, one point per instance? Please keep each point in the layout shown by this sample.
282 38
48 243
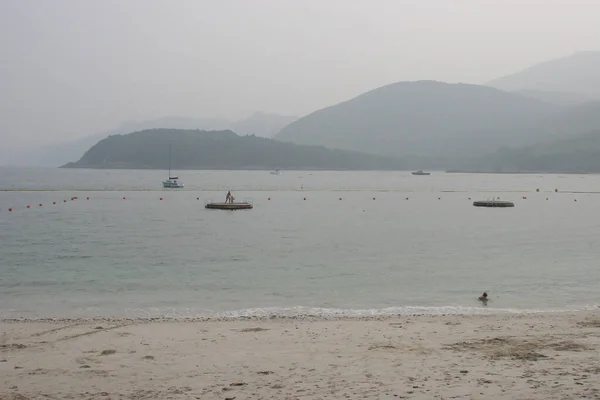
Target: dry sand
535 356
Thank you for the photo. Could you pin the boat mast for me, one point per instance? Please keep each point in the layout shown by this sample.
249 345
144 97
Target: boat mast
169 160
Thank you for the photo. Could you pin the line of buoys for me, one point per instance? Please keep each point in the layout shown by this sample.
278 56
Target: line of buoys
269 198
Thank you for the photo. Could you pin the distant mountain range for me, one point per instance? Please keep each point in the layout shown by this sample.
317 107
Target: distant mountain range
544 118
197 149
426 119
568 80
438 125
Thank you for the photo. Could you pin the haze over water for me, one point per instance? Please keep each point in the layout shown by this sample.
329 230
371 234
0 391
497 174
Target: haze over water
432 253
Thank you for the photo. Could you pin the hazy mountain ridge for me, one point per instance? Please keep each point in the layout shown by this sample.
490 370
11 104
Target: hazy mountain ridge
262 124
197 149
566 80
424 118
557 98
579 154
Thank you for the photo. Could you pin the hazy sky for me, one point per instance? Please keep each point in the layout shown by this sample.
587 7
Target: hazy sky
71 68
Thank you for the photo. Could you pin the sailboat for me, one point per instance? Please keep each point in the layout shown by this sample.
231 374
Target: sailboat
172 182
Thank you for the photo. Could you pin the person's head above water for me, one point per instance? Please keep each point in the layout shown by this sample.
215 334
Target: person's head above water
484 295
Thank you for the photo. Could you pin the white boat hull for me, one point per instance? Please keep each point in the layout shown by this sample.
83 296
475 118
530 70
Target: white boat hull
171 184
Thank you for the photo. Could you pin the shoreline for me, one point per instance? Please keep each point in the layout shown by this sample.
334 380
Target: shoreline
315 314
507 356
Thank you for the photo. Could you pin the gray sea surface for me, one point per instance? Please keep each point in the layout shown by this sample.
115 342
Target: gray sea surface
362 243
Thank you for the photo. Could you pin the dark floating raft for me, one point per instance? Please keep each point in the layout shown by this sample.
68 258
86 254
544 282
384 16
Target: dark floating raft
229 206
493 203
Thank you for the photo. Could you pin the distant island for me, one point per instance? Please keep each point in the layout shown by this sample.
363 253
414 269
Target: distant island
198 149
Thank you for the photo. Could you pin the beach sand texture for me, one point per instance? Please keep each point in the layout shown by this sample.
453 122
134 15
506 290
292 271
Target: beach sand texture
527 356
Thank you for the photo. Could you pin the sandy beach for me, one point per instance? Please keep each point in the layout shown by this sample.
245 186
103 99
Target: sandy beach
530 356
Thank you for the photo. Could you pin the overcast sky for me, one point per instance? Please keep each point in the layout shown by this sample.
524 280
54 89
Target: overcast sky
72 68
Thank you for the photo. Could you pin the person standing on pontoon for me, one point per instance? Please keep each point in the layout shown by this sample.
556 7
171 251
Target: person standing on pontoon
229 197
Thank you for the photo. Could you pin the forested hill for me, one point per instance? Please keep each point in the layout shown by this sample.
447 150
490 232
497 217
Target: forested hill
197 149
425 118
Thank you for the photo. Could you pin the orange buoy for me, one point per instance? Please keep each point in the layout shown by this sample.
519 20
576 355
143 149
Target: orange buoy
10 209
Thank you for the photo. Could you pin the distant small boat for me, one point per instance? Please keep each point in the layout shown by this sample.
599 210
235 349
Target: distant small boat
172 182
276 172
420 172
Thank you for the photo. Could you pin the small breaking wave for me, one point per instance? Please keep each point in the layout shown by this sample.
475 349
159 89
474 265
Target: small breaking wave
266 313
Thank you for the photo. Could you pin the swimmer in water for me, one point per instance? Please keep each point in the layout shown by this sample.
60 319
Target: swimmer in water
484 297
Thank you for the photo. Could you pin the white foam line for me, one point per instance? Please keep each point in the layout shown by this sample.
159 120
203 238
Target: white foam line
156 315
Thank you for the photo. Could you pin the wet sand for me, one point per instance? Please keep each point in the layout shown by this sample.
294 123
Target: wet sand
532 356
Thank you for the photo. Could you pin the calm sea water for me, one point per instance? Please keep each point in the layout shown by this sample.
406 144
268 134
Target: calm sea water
432 253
